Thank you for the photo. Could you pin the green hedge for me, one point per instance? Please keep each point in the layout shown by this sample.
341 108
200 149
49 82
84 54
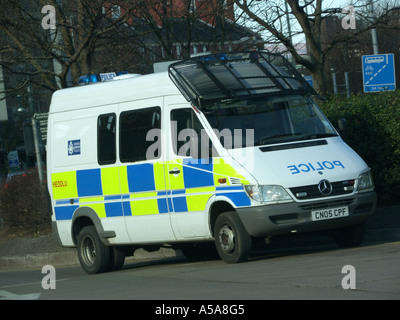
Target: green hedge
373 131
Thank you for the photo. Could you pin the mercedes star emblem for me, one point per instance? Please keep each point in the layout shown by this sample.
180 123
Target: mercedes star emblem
325 187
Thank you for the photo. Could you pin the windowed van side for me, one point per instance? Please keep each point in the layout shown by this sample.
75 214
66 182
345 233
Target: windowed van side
218 151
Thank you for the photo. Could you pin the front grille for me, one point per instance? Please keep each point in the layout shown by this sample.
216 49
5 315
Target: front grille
327 204
312 192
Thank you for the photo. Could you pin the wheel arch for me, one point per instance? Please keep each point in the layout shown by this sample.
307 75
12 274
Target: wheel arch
86 216
216 208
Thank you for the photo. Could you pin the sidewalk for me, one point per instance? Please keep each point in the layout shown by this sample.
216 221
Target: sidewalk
52 254
18 253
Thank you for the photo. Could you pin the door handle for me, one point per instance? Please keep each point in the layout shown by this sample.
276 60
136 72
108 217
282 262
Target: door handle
175 171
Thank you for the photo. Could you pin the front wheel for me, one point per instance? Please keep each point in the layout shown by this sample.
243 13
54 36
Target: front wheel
232 241
349 237
94 255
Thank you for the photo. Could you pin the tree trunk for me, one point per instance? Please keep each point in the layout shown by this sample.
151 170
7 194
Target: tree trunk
318 76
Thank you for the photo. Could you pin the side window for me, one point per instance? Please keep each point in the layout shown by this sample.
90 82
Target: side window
188 135
134 127
106 146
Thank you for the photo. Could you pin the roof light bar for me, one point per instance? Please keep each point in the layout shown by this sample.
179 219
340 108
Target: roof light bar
100 77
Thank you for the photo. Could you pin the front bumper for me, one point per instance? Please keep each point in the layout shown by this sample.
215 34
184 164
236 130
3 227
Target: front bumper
278 219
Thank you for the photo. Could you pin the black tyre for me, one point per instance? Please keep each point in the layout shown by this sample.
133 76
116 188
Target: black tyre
232 241
117 258
94 256
348 237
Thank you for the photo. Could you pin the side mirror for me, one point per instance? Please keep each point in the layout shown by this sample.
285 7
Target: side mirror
342 124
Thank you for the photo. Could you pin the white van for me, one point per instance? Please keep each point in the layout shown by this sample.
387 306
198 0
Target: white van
220 149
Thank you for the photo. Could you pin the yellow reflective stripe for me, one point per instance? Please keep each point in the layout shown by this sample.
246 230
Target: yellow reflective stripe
197 202
123 179
159 180
143 195
201 190
144 207
175 182
110 181
222 169
99 208
64 185
93 199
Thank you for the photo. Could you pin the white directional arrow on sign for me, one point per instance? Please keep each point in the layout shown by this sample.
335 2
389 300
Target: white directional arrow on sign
376 74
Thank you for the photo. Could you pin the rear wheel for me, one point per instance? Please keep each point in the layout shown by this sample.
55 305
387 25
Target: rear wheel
117 258
94 256
232 241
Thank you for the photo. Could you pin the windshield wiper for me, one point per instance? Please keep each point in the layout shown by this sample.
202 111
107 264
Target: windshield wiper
267 138
319 135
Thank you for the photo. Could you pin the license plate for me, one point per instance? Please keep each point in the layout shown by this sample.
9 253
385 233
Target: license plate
325 214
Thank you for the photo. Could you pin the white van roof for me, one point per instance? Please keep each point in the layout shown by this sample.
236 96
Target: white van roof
112 92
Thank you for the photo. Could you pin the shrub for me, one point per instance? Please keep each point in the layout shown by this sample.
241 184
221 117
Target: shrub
23 204
373 131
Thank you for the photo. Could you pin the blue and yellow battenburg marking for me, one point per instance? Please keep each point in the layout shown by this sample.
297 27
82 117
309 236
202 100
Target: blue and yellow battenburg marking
141 189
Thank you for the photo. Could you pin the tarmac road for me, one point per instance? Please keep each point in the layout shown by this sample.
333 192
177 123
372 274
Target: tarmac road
297 267
20 253
314 272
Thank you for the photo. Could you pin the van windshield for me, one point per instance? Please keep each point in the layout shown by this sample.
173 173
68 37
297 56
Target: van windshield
271 120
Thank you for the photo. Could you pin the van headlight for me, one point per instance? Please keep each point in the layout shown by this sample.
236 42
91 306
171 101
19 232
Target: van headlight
267 193
365 181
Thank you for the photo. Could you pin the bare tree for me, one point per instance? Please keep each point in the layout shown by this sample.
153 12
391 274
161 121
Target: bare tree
184 23
37 60
44 55
85 31
47 44
273 16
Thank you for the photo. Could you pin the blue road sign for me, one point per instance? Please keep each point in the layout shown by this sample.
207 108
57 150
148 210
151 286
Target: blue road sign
378 72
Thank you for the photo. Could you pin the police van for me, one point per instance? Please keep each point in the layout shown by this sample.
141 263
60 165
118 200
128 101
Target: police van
220 150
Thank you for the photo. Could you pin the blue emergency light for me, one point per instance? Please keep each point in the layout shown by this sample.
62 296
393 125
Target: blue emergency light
100 77
214 57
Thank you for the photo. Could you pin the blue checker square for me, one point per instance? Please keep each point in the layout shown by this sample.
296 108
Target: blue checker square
180 204
126 205
89 182
141 177
65 213
162 205
114 209
194 178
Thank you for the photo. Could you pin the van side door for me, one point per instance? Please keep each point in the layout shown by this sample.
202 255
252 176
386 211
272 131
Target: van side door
189 177
141 155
